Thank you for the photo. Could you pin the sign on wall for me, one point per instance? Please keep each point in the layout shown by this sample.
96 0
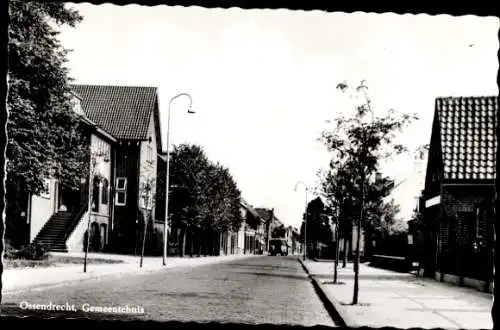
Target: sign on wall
463 208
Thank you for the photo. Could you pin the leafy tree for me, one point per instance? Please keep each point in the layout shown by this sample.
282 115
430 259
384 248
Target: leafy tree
189 167
317 222
205 196
222 199
361 143
336 185
39 96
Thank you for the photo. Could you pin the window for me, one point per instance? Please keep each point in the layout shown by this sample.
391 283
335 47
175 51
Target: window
121 191
478 224
95 194
104 235
121 183
46 189
149 155
104 192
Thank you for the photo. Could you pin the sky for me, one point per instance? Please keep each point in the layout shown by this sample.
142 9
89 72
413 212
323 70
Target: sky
263 81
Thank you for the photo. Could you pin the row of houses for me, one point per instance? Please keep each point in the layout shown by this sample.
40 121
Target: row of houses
122 126
452 240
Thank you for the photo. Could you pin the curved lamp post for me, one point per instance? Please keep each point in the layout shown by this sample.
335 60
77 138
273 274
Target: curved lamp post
306 189
167 185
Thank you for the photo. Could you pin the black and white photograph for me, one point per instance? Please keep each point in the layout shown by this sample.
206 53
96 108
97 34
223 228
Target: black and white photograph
250 166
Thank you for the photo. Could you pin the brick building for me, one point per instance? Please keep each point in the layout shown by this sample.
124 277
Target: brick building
457 200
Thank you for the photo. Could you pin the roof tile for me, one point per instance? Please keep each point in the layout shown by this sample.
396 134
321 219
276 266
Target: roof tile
122 111
467 129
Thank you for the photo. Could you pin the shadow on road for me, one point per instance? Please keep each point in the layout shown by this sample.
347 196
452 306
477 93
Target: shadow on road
202 295
263 267
368 276
289 276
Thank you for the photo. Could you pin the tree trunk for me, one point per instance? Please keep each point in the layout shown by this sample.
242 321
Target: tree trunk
205 243
344 261
358 239
183 248
144 237
356 266
199 242
216 244
191 249
352 249
337 250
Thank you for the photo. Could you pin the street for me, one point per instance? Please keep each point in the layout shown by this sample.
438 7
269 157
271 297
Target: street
257 290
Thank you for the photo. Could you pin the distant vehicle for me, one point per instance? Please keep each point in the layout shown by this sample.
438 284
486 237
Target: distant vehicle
278 246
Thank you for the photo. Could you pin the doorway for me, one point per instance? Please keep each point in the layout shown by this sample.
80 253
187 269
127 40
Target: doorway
69 199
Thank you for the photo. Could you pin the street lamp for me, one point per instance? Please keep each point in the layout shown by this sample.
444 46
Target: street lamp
306 189
165 235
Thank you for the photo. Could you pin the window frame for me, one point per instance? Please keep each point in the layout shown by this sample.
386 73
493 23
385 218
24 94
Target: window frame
149 154
121 190
104 192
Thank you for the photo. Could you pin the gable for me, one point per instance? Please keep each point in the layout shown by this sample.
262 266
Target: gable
434 160
157 127
122 111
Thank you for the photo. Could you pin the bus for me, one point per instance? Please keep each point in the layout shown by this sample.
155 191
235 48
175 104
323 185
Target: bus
278 246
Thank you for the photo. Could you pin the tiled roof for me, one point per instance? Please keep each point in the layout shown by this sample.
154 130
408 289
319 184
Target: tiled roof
122 111
249 207
263 213
468 136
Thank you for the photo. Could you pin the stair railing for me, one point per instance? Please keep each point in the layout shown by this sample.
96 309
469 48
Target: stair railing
76 219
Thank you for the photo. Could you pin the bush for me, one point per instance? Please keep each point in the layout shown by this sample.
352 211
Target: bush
10 252
34 251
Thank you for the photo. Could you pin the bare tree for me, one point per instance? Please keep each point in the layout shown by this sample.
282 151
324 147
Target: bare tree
147 193
362 143
95 160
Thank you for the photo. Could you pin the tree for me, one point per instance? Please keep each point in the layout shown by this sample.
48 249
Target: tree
336 185
189 172
207 198
318 228
39 96
362 143
221 202
222 195
93 174
147 194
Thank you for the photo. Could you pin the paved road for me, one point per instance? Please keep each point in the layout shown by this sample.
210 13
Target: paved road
256 290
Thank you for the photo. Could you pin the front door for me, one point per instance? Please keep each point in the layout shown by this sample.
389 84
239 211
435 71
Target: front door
69 199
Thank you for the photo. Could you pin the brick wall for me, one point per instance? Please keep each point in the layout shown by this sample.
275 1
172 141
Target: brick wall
464 242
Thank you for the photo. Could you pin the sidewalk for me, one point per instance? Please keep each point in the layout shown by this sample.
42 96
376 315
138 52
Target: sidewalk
401 300
20 279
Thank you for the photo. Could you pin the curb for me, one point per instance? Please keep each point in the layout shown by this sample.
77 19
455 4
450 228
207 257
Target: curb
110 275
330 305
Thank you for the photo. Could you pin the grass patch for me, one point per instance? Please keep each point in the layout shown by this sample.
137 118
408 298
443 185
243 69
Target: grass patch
52 261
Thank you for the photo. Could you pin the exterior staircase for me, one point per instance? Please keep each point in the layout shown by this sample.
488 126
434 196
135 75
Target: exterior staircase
53 233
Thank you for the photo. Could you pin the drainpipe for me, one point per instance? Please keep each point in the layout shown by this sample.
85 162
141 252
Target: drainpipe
111 190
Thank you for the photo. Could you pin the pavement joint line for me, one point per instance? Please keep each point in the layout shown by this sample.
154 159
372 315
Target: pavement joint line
327 303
